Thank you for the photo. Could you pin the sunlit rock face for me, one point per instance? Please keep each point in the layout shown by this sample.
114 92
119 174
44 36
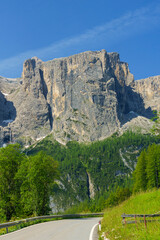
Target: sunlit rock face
149 89
84 97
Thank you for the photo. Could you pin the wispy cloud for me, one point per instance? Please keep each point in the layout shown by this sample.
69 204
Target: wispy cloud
132 23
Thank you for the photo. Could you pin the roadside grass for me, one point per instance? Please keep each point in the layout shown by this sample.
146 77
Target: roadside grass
143 203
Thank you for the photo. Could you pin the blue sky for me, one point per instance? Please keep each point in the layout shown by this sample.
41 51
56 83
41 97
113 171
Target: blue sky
58 28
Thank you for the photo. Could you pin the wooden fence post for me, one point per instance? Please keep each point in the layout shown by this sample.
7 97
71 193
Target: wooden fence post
135 216
145 222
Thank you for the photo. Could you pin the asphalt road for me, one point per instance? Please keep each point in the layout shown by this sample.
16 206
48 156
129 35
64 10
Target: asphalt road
70 229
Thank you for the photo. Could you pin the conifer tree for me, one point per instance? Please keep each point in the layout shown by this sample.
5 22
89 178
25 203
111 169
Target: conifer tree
153 166
156 125
140 175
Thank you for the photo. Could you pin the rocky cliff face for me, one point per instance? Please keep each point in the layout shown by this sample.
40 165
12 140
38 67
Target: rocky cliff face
149 90
84 97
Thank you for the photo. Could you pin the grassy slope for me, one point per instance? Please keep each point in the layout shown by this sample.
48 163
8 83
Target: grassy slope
144 203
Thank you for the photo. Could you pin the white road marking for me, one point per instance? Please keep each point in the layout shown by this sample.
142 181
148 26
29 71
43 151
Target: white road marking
92 231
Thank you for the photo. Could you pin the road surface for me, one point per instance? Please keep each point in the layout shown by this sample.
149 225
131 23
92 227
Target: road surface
69 229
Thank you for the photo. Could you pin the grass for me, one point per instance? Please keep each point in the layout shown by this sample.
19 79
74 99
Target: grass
143 203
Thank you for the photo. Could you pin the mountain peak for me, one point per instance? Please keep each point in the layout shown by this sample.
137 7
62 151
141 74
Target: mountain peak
84 97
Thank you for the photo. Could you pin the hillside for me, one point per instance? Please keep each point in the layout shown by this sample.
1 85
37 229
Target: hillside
143 203
91 170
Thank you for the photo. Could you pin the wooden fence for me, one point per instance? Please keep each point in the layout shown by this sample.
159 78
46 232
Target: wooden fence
67 216
139 218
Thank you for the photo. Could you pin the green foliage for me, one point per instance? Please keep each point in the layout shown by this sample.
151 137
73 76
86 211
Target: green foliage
153 166
120 195
37 183
99 163
140 173
88 206
92 176
10 160
100 203
156 125
147 172
26 183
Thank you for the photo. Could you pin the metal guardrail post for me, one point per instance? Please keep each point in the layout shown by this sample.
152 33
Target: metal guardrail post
99 226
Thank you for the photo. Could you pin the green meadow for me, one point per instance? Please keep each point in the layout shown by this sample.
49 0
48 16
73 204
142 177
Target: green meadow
142 203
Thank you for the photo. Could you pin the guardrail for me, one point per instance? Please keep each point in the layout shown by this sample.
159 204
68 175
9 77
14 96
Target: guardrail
135 216
16 223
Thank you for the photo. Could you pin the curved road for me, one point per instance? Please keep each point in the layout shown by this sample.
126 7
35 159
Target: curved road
70 229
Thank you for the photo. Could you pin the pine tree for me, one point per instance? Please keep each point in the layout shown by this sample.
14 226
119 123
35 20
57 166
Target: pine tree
140 175
153 166
156 125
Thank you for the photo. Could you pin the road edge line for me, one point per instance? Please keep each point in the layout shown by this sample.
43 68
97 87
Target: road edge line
92 231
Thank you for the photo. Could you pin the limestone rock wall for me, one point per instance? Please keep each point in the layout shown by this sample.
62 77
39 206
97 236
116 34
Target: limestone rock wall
84 97
149 90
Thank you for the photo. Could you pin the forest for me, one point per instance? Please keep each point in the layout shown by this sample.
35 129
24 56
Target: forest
89 173
78 177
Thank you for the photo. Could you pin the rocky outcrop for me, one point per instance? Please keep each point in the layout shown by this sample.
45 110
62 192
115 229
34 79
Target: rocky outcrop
7 109
85 97
9 85
149 89
32 109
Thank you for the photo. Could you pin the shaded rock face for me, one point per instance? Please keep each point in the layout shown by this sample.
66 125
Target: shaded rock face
84 97
7 111
149 90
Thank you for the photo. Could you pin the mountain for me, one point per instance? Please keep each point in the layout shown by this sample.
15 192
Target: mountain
84 97
91 171
149 89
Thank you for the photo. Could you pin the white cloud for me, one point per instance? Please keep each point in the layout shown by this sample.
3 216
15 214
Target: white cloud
134 22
